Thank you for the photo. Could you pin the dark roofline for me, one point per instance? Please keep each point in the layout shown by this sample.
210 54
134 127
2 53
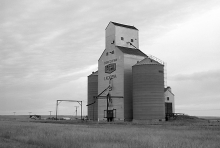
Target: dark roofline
151 60
131 51
122 25
101 55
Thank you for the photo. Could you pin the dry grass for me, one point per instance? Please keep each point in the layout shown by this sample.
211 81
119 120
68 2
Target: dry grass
86 135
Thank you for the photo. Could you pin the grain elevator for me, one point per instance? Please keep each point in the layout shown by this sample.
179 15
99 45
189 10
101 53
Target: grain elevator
129 85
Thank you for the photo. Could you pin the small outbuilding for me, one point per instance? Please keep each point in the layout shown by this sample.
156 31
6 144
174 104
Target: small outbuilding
169 100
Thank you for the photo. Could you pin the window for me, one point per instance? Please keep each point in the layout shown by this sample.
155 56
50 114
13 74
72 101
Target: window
168 98
112 52
132 40
122 38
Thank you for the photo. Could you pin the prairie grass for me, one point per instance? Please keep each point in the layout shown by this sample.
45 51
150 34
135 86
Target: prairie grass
86 135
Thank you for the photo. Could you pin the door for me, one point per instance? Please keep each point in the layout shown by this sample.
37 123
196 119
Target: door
168 108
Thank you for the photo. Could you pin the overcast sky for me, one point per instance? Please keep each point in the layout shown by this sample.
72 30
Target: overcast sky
49 47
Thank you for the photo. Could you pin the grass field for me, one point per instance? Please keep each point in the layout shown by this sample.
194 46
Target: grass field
182 133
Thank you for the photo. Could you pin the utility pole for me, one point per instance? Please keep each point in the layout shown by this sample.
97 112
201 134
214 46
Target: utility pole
50 113
14 115
76 110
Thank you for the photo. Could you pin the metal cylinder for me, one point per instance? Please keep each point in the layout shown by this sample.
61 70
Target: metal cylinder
92 92
148 90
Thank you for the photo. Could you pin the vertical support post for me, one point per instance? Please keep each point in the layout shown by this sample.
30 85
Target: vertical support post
56 109
76 111
93 112
107 97
57 103
81 110
50 113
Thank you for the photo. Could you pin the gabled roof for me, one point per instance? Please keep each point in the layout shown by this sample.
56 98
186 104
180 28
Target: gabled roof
131 51
148 61
168 89
123 25
165 89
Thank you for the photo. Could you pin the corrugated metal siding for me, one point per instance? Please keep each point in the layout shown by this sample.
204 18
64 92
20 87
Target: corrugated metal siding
148 92
92 91
129 61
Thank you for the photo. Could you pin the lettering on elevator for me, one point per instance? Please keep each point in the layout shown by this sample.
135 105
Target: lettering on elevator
110 61
110 77
110 67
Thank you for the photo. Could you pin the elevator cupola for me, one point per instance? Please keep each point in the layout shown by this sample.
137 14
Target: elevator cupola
121 35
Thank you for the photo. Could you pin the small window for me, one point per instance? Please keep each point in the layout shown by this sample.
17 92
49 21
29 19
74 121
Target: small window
112 52
168 98
132 40
122 38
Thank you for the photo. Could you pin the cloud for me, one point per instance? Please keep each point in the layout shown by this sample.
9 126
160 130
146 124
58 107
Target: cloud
211 75
29 84
197 93
39 101
197 85
207 109
86 70
49 47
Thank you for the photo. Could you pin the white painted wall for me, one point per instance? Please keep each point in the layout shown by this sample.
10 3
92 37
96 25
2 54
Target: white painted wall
117 82
169 94
109 35
127 34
